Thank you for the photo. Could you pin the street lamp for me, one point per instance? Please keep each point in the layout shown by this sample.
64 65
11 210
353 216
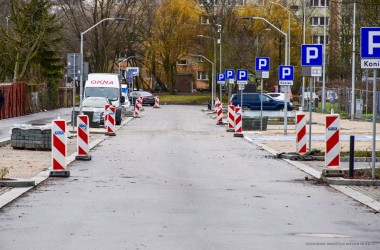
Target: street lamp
287 10
213 65
257 40
272 25
286 60
124 60
81 53
220 59
213 75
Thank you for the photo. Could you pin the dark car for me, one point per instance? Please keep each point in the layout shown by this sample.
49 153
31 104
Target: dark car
148 98
253 102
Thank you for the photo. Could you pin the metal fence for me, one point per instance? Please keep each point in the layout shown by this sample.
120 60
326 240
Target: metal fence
339 99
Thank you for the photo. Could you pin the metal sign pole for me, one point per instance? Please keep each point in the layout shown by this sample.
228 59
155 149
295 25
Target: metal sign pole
374 125
310 109
73 114
261 105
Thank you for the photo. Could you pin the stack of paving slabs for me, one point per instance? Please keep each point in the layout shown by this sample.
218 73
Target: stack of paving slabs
25 136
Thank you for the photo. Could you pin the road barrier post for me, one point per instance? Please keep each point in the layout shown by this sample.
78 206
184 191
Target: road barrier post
83 138
59 148
111 121
231 118
238 122
332 151
301 133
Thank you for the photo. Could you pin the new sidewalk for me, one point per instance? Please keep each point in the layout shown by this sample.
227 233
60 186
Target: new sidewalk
275 142
30 166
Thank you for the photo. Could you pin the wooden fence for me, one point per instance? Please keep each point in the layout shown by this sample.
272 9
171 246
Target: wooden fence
14 100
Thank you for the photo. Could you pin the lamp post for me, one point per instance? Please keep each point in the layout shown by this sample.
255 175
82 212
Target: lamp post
303 42
124 60
213 75
220 58
272 25
286 61
81 58
213 68
324 62
353 64
288 11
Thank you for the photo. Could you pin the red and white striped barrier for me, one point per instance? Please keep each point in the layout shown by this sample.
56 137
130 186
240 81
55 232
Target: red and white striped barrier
156 102
231 118
220 114
136 114
83 138
238 122
111 121
59 148
217 103
106 115
301 133
332 152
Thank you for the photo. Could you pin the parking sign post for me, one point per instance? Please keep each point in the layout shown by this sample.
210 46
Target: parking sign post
285 78
370 59
311 61
262 71
241 80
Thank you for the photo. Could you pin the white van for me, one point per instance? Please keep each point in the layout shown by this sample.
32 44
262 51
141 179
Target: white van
107 86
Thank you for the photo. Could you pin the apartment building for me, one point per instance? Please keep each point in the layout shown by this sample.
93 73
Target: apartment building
320 17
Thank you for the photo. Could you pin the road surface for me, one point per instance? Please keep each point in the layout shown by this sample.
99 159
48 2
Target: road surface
173 179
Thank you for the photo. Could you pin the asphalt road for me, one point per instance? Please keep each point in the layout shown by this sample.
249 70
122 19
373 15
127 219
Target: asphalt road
175 180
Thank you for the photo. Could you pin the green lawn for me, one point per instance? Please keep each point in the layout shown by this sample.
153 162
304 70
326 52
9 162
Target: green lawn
186 99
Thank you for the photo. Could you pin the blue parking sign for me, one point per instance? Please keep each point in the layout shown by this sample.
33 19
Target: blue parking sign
230 75
370 42
242 76
370 47
221 78
311 55
262 63
286 75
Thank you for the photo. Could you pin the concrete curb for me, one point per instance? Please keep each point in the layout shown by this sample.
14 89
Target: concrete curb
17 183
339 184
16 192
350 182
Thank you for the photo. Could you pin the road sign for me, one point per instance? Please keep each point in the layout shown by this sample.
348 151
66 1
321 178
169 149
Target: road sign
134 71
311 55
370 47
285 75
221 78
230 75
262 63
73 64
242 76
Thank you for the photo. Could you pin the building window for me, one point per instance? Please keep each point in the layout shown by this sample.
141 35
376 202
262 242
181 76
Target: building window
316 21
319 40
319 3
182 62
202 75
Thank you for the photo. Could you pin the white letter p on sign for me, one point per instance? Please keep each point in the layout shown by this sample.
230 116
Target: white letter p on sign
286 72
242 74
311 53
371 44
262 63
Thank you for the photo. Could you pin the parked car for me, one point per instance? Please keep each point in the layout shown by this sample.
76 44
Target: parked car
93 107
280 96
148 98
253 102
